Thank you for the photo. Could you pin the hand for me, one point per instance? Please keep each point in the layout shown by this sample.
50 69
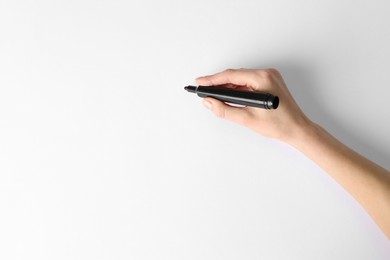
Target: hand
283 123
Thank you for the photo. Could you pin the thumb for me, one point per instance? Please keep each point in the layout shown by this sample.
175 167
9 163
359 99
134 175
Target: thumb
238 115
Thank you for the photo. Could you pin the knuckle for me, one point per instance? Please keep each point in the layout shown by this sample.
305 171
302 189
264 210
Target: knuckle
273 71
229 71
266 79
268 76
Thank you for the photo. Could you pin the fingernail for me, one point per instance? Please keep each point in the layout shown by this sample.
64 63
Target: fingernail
207 104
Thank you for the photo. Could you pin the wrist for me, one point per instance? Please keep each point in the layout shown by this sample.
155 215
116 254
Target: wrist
303 132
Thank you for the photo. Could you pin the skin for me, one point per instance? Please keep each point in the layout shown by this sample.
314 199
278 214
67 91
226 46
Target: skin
366 181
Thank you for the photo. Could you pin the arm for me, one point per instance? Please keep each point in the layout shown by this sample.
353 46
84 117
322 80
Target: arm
367 182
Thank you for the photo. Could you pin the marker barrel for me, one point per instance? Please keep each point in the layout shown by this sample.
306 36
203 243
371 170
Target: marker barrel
246 98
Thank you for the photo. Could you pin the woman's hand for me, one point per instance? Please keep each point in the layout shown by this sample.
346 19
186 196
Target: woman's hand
283 123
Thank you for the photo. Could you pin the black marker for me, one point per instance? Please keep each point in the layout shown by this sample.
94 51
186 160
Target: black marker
246 98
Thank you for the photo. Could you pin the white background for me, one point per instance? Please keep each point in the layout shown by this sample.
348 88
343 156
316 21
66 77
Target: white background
103 155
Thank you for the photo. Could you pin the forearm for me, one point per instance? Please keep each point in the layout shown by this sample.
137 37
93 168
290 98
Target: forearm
367 182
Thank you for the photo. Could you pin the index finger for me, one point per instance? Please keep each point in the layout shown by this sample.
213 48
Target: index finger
242 77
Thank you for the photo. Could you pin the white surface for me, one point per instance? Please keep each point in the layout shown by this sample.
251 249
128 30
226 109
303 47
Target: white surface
105 156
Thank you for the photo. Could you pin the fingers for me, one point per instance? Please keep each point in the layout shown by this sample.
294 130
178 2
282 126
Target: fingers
236 77
242 77
220 109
